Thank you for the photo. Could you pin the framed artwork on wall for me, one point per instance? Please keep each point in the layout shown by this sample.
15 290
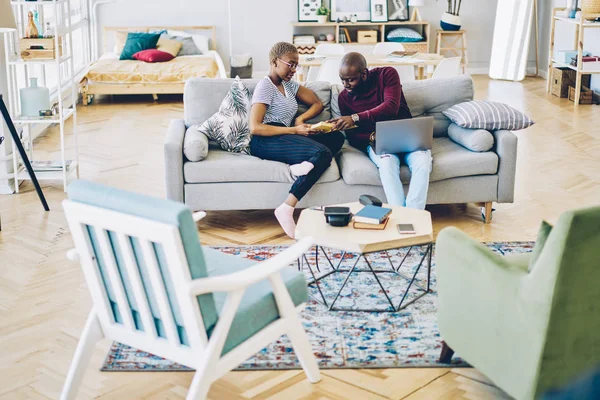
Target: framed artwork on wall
398 10
307 10
348 8
379 12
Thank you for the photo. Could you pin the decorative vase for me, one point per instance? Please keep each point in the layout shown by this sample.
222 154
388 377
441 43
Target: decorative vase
450 22
31 31
34 99
571 8
321 19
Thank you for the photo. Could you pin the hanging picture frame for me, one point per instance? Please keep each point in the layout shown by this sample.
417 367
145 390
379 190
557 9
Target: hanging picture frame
348 8
307 10
379 11
398 10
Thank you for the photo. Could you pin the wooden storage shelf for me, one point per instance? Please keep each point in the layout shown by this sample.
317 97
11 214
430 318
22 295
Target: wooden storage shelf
30 48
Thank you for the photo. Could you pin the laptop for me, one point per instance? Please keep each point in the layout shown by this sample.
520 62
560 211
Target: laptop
404 135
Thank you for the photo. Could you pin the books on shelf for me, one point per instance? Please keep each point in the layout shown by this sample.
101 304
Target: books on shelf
372 215
377 227
52 165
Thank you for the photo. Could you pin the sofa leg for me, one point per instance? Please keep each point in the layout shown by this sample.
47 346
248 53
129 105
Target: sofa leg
446 354
487 214
154 97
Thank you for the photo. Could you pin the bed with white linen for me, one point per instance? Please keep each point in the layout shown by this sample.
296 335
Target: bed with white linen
109 75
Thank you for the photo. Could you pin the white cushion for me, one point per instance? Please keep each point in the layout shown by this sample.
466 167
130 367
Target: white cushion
229 126
195 144
472 139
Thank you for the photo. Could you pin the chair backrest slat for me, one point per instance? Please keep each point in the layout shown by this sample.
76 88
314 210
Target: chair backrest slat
108 257
158 287
136 285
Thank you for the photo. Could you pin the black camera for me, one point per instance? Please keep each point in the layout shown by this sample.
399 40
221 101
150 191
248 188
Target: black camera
337 216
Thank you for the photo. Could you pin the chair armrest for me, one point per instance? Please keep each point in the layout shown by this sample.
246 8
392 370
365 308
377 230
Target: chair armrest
197 216
173 148
250 276
506 148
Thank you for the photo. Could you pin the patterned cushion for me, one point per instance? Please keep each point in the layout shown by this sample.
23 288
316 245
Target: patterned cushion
229 126
404 35
488 115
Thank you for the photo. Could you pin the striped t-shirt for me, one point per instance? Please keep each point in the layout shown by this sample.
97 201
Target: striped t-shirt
280 108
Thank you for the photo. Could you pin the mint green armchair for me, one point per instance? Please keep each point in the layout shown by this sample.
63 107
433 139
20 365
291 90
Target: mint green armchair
526 331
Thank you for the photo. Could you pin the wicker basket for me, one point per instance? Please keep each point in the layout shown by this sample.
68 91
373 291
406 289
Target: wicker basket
590 6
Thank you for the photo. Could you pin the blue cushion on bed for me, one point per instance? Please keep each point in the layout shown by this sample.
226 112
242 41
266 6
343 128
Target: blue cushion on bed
138 41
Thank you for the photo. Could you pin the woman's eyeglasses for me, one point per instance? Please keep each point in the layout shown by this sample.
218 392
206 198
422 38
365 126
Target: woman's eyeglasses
291 65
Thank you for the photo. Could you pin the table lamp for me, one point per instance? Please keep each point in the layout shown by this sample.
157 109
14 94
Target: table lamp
7 25
415 4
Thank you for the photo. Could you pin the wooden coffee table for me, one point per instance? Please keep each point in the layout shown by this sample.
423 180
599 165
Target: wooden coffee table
363 242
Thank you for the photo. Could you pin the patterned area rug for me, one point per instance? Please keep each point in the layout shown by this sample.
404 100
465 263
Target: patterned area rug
408 338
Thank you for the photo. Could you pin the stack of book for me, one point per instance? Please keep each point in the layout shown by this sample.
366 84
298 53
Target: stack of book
401 54
372 217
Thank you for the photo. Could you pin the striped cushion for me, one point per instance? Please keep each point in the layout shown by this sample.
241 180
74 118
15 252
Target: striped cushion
488 115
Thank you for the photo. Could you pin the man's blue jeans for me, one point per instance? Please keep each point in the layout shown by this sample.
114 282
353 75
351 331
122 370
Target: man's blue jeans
420 164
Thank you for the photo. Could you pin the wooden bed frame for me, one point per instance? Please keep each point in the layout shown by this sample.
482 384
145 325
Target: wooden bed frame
91 88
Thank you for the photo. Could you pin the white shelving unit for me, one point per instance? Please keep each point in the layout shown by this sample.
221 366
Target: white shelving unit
64 88
582 23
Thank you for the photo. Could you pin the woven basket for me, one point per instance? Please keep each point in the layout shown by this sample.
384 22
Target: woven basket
590 6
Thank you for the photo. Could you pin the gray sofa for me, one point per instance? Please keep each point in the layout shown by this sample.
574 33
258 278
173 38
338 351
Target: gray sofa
227 181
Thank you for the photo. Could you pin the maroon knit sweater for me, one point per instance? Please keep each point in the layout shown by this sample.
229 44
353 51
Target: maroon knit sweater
379 98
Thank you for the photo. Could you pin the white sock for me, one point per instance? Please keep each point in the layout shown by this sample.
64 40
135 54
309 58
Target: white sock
285 217
301 169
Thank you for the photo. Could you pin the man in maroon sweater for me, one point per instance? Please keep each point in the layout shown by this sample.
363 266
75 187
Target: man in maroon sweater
376 95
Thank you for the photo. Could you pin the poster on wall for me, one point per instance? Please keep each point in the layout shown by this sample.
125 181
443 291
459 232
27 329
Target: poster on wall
348 8
307 10
398 10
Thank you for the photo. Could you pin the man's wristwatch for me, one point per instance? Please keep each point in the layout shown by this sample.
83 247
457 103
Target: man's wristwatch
355 118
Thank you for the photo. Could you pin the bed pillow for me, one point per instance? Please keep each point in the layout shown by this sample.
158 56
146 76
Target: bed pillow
188 47
153 56
121 38
473 139
201 41
169 46
138 41
489 115
229 126
404 35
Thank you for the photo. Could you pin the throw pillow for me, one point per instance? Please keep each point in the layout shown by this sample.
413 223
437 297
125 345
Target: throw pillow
167 45
229 126
489 115
201 41
188 48
121 38
138 41
153 56
195 144
472 139
404 35
543 233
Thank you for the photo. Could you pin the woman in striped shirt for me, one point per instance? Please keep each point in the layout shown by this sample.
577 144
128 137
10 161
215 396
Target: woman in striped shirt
278 135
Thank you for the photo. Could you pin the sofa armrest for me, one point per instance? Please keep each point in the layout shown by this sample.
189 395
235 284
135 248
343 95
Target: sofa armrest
506 148
173 148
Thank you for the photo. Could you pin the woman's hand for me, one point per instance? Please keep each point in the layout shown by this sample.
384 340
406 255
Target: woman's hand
342 123
299 121
304 130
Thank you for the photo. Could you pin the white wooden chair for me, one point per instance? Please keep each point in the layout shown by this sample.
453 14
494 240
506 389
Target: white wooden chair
448 68
324 49
406 72
156 289
330 71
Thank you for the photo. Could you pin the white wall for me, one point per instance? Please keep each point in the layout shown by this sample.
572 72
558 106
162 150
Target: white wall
257 24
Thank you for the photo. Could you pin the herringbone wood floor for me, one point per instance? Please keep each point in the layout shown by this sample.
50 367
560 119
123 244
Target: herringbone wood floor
44 301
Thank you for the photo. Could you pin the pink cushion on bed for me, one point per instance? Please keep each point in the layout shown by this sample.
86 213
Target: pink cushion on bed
153 56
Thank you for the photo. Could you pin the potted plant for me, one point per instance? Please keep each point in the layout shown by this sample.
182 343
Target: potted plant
451 18
322 13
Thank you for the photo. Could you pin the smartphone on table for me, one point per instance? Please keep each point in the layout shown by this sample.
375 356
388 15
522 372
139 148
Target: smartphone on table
404 229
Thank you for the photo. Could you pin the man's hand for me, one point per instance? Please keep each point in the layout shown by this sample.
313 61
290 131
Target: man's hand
342 123
299 121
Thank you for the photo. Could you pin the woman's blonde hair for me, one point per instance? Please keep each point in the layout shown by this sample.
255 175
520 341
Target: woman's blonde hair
280 49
